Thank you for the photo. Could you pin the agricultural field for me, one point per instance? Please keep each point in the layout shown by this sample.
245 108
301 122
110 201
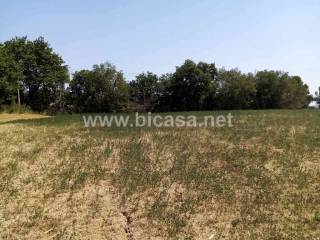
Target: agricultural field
259 179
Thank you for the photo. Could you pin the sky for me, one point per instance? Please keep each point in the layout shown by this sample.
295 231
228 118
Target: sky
157 36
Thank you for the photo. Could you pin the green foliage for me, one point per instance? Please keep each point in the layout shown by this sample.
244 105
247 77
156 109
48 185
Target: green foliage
236 90
295 94
192 86
39 72
102 89
145 90
10 75
277 89
32 72
201 86
268 89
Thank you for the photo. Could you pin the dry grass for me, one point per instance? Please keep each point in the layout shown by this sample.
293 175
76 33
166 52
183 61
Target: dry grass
257 180
7 117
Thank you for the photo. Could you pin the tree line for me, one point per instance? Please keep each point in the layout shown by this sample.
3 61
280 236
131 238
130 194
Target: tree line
32 74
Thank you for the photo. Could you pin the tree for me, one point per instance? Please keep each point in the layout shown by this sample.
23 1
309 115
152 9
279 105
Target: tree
276 89
192 86
295 94
317 97
144 90
164 100
43 73
10 76
236 90
268 89
102 89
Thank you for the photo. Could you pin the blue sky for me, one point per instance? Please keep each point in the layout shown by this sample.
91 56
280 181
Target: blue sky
141 35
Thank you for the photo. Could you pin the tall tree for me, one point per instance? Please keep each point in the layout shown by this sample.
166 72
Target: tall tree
295 94
192 85
43 73
102 89
269 89
144 90
164 100
276 89
236 90
10 76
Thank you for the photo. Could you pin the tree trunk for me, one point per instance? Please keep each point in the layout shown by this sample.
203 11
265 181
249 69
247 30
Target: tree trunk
19 101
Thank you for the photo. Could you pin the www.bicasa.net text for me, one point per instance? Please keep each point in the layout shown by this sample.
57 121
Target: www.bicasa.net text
155 120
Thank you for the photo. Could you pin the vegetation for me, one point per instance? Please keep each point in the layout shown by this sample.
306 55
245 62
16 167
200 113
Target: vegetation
317 97
31 73
257 180
101 90
145 91
61 180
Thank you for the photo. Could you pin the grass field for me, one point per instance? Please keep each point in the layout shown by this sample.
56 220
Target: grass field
6 117
257 180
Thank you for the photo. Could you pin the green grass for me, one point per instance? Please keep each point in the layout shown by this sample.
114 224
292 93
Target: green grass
257 180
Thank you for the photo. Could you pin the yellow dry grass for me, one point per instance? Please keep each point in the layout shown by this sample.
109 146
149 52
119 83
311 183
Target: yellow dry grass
60 180
7 117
